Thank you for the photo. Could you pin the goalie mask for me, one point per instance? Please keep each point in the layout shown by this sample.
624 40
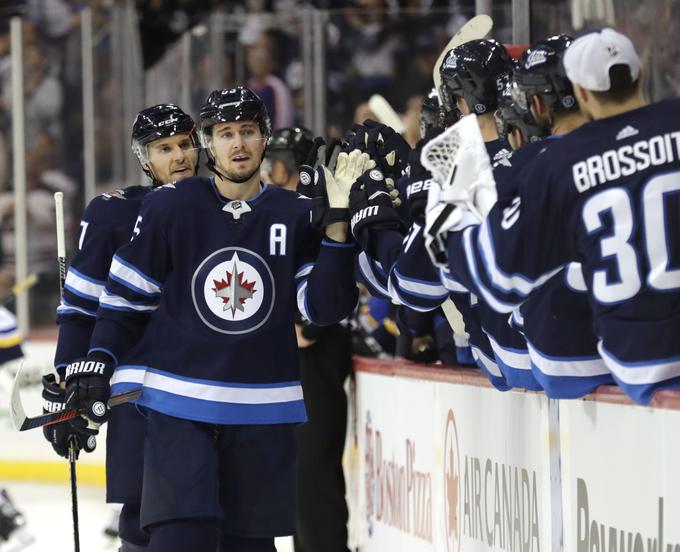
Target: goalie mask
540 73
156 122
475 71
228 105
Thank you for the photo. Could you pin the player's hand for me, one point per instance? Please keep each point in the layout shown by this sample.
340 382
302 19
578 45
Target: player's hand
87 386
60 435
312 181
388 149
371 208
349 168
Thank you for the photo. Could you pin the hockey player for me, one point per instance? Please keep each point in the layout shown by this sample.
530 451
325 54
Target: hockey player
556 319
517 125
287 149
471 77
211 278
165 142
605 197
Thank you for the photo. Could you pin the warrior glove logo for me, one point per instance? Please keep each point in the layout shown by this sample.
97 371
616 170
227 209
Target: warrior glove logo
85 367
233 291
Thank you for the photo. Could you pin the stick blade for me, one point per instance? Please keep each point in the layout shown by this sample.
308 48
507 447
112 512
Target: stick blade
474 29
16 409
382 109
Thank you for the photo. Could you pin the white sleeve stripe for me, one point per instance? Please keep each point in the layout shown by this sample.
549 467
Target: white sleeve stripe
134 278
650 372
304 270
435 291
118 302
495 304
72 309
513 359
567 367
302 300
82 286
450 283
398 299
485 361
367 272
516 283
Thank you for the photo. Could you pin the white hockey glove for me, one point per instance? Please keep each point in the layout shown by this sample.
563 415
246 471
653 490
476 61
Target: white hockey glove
348 168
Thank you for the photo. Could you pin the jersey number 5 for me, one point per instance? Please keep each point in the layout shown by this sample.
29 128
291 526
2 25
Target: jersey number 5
617 244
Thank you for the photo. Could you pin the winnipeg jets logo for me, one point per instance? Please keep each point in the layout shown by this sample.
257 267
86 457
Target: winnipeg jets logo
233 291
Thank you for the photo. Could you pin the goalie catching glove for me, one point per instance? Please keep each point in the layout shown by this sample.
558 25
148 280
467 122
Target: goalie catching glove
88 388
60 434
371 209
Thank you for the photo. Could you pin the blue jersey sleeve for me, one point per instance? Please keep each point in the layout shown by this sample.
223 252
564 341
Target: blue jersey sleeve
134 284
85 280
326 288
520 245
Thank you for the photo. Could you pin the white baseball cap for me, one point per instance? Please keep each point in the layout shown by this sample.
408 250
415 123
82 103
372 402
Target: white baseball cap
588 59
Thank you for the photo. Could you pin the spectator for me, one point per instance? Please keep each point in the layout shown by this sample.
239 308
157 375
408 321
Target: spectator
273 91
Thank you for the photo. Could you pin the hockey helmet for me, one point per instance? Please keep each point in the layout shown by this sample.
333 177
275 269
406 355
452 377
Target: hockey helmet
156 122
510 116
475 71
540 72
294 143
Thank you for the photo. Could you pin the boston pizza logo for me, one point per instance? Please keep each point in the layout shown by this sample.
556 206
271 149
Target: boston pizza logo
452 482
233 291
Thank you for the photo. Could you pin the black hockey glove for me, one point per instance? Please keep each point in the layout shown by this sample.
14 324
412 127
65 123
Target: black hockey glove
370 207
419 182
87 386
59 435
312 182
388 149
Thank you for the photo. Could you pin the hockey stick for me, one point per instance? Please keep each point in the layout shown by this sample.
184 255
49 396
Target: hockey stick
382 109
476 28
20 287
22 422
72 454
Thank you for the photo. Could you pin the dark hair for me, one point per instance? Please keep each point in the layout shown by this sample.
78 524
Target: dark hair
622 88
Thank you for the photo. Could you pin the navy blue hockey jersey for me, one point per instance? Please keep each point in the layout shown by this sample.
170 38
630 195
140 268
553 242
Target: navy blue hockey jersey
412 281
106 225
608 197
215 284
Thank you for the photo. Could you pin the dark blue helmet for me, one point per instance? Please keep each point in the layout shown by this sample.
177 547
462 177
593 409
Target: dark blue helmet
509 116
292 144
234 104
540 72
156 122
475 71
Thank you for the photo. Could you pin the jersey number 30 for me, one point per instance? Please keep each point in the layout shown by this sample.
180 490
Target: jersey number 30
617 243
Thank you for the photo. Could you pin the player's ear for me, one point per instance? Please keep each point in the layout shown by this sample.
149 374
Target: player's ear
581 94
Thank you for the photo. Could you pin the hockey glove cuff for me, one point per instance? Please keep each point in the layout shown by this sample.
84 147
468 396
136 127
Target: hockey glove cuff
371 209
